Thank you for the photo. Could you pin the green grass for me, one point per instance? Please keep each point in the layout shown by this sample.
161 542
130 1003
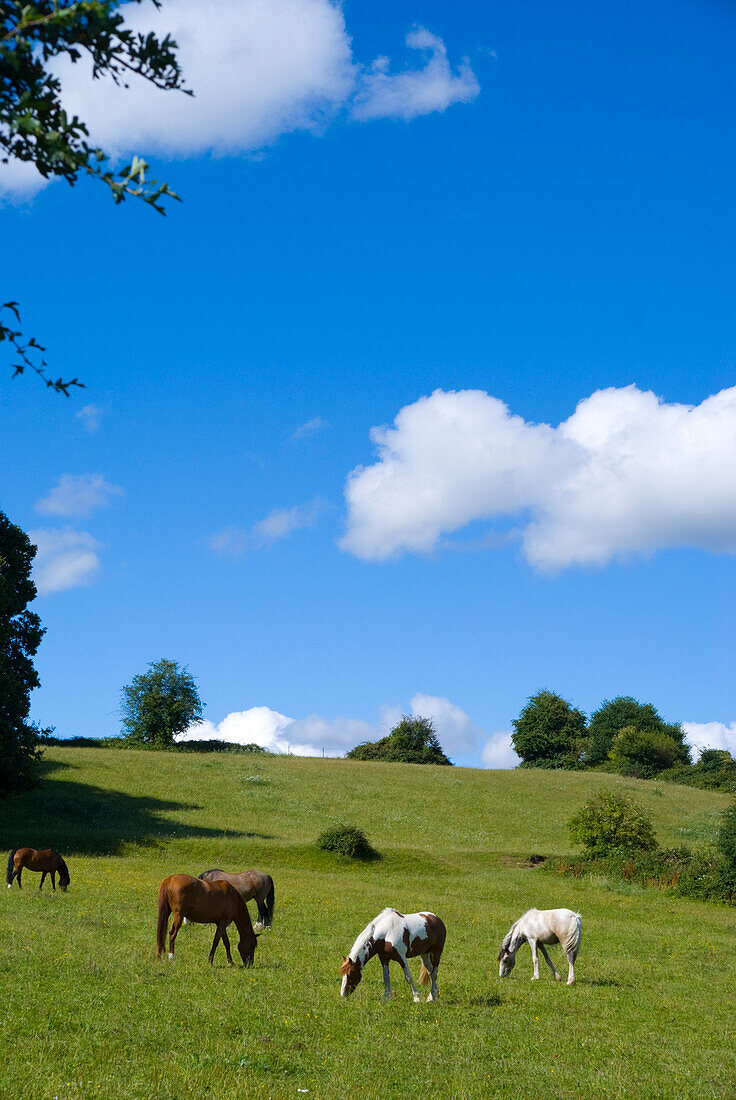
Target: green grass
89 1012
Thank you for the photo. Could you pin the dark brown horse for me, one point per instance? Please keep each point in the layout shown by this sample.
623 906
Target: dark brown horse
251 885
204 903
47 861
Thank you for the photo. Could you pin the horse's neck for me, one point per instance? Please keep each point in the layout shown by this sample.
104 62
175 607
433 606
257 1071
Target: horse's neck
364 947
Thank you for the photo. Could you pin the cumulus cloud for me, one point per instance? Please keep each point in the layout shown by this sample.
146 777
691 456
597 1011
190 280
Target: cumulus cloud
78 495
310 427
277 525
90 415
259 70
406 95
65 559
626 473
459 736
711 735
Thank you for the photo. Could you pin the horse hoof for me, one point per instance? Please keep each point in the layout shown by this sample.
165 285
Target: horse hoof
571 982
558 977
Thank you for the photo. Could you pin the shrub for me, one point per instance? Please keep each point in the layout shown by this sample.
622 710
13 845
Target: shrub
680 871
216 745
614 714
726 842
549 733
612 822
412 741
643 753
347 840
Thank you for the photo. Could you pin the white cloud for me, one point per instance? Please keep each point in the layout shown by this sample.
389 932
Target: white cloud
90 415
259 69
405 95
626 473
78 495
711 735
310 427
65 559
458 734
277 525
498 751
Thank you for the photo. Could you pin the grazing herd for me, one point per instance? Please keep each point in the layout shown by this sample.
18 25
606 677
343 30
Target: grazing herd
219 898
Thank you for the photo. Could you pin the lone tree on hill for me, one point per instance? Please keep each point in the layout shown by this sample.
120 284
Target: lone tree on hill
616 714
20 637
159 704
550 733
413 741
35 129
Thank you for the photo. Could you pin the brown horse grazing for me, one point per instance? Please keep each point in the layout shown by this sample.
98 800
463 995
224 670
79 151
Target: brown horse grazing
204 903
47 861
251 885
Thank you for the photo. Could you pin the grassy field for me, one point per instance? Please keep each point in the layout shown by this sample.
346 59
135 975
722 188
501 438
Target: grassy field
89 1012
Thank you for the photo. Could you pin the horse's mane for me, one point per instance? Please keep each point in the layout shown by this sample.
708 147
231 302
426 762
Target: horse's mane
346 966
211 871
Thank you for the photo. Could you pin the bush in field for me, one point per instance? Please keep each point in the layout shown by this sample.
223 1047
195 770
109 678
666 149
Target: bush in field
549 733
611 822
159 704
412 741
614 714
643 753
347 840
726 842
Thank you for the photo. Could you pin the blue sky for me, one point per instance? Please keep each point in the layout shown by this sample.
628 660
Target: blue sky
544 213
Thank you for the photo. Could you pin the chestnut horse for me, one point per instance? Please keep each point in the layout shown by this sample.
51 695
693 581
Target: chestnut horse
204 903
251 885
47 861
393 936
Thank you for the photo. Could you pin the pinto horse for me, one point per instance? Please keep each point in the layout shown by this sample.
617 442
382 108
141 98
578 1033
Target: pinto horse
204 903
538 927
251 885
47 861
393 936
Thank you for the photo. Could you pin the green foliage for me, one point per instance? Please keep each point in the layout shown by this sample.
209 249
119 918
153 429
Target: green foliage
347 840
615 714
643 753
35 128
412 741
215 745
550 733
159 704
714 771
727 841
20 637
681 871
612 822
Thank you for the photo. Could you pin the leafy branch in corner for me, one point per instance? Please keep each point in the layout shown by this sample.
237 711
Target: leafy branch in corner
36 129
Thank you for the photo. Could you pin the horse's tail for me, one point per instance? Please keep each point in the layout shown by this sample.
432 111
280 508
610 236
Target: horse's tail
268 907
425 978
64 878
573 940
164 911
11 868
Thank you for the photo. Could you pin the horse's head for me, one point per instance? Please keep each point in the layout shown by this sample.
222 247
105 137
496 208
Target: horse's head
351 972
507 961
64 879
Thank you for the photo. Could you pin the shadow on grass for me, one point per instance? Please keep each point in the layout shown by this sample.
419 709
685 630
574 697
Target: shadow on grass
491 1000
603 982
77 818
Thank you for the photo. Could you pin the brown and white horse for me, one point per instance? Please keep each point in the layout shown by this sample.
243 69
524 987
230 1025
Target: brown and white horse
538 927
204 903
47 861
251 885
395 937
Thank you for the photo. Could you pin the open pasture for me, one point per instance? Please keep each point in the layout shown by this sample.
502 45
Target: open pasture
89 1012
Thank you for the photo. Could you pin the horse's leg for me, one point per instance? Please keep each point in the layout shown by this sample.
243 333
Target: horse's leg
218 936
535 960
53 880
43 876
386 982
410 980
550 964
571 973
18 873
429 966
226 942
261 922
175 926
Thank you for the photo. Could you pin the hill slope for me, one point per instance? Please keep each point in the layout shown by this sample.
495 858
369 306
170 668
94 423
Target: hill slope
651 1014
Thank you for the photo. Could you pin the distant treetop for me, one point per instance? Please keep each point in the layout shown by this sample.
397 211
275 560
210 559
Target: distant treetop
413 741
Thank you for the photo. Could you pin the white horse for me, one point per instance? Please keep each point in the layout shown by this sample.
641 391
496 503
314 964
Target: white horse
538 927
393 936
